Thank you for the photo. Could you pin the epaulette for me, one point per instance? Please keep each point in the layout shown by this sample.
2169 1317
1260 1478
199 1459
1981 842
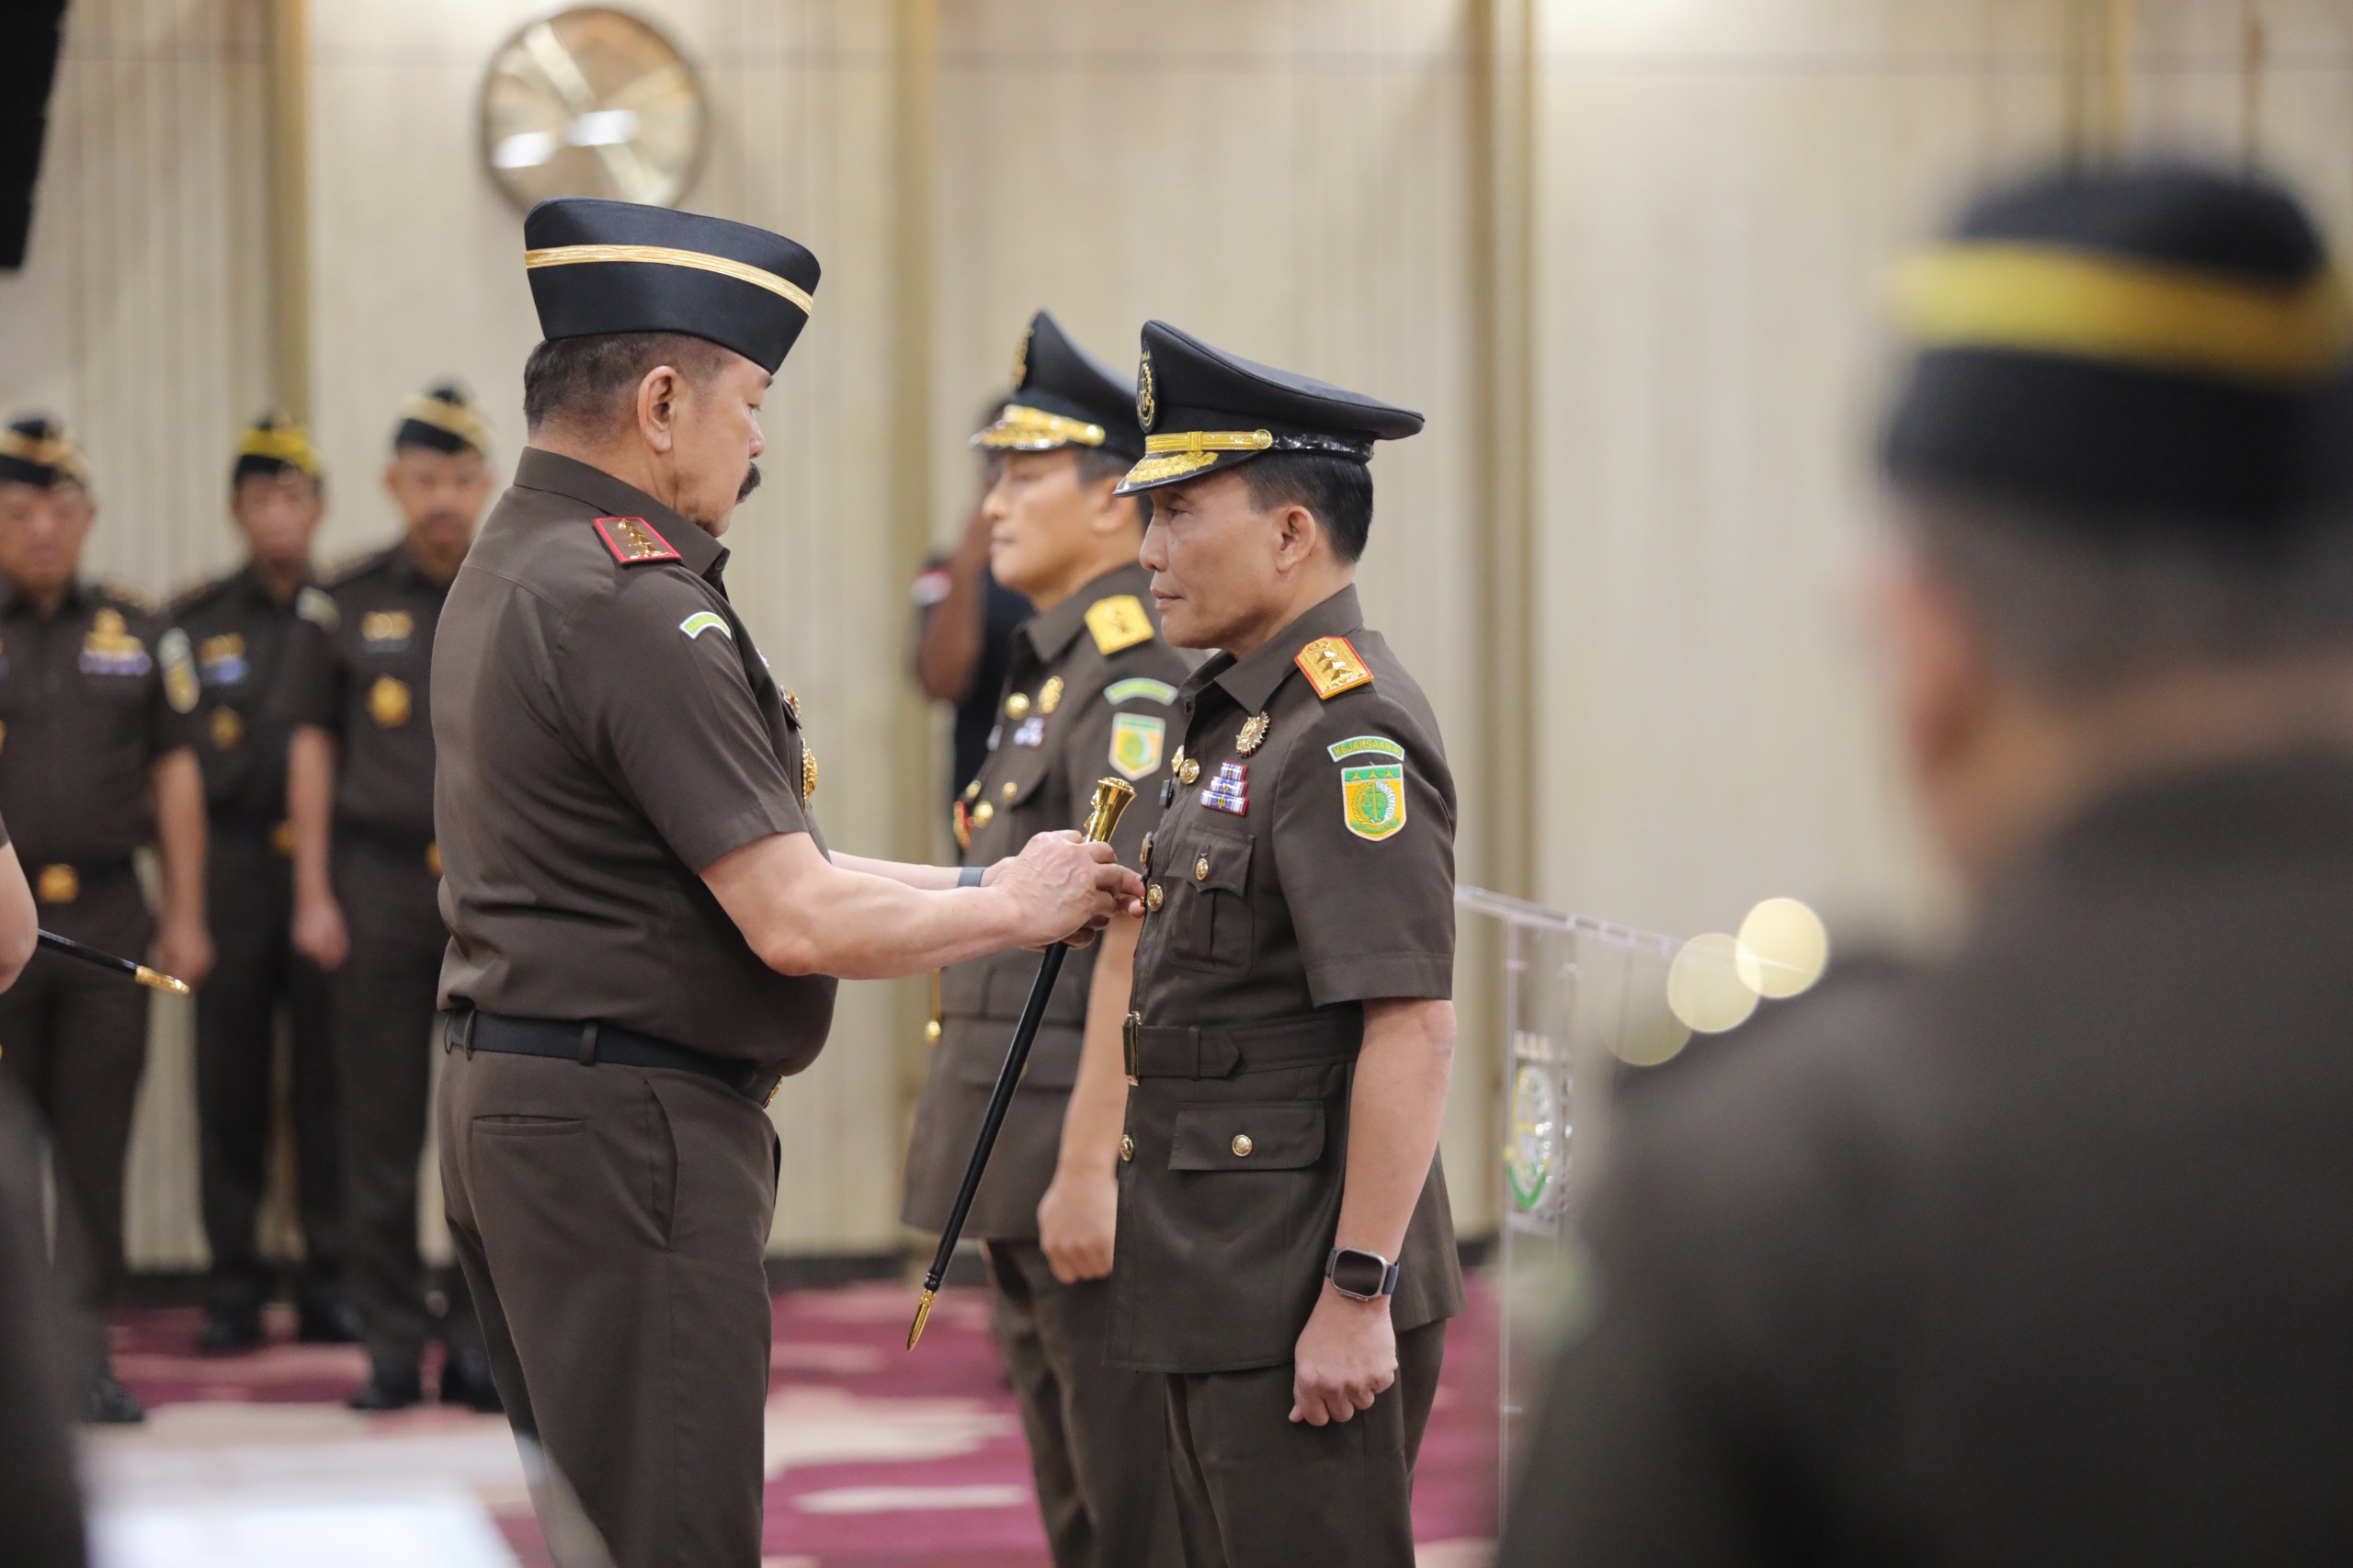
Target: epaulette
128 596
634 540
1332 666
1117 622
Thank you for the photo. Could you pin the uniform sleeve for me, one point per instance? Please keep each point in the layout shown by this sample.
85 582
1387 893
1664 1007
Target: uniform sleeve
1123 733
309 687
1364 846
655 686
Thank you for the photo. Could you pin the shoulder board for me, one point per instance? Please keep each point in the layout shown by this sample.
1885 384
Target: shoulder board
1332 666
634 540
317 605
1118 622
1140 689
127 597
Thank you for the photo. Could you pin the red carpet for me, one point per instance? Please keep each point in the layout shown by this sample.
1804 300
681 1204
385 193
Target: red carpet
877 1458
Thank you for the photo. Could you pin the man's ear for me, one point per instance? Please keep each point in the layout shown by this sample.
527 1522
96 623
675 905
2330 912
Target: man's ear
1940 665
1296 533
657 407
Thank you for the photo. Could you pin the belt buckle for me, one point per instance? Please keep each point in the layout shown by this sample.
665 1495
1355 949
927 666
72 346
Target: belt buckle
1130 1027
58 884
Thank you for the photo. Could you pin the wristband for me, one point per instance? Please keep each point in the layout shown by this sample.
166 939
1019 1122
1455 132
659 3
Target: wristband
969 877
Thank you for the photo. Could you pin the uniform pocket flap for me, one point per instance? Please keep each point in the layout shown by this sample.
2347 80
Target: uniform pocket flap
1215 864
1285 1136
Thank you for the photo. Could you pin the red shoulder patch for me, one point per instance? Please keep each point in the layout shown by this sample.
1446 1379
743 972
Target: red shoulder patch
634 540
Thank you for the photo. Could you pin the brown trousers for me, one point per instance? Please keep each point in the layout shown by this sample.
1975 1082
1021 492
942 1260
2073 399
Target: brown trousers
1254 1490
1098 1434
612 1222
385 999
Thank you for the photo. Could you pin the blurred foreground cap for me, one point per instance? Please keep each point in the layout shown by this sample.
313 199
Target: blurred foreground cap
36 451
273 444
442 419
604 267
1203 409
2152 347
1063 396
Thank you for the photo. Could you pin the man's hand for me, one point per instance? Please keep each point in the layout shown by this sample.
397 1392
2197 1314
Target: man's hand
319 934
1065 889
1077 1221
1346 1355
183 950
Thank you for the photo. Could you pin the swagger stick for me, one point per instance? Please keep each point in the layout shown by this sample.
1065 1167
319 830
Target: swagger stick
1111 798
138 972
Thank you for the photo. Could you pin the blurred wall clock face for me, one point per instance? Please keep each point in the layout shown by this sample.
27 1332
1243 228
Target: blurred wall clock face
592 102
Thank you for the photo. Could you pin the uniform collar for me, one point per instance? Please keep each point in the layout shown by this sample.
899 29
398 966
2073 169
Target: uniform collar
1052 633
1252 681
247 582
12 602
539 469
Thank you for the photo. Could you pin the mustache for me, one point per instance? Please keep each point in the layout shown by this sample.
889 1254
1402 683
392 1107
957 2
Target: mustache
751 481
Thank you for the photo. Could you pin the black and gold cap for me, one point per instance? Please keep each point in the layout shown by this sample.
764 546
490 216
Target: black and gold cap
36 451
602 266
2160 345
1203 409
442 419
274 444
1063 396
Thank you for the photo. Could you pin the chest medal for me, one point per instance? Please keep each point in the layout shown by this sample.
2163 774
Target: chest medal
110 649
1230 790
386 631
221 661
1254 733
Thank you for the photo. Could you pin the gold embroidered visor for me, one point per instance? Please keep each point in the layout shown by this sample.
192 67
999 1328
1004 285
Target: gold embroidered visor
664 256
1176 454
57 453
288 444
2054 300
1025 429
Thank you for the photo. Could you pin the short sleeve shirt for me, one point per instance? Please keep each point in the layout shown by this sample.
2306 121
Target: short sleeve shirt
606 730
234 636
359 667
83 715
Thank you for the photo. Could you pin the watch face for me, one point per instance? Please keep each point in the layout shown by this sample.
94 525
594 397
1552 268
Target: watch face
1359 1273
592 102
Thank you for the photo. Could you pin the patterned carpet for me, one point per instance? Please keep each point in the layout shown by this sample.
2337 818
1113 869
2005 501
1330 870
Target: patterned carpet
876 1458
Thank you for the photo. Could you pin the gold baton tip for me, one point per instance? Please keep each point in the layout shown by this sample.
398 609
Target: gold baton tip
1112 799
923 1312
161 981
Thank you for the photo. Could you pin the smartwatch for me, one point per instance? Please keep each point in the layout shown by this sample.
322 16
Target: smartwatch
1359 1274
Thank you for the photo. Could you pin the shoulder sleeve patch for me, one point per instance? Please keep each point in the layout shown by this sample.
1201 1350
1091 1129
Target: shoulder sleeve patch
704 620
1118 622
318 606
1140 689
634 540
1359 745
180 671
1332 666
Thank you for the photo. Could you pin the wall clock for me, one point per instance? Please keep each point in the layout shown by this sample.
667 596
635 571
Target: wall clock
592 102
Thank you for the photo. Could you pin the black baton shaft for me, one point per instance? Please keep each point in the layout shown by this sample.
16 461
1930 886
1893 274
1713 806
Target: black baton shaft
138 972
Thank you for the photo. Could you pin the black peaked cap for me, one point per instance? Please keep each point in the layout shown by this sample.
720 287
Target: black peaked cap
1203 409
602 266
1063 396
442 419
2140 424
35 449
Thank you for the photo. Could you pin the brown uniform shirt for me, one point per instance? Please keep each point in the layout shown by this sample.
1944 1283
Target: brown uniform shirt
236 636
1304 867
608 730
1089 695
362 673
83 714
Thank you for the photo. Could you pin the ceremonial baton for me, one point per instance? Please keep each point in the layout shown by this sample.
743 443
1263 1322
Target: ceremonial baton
1111 798
138 972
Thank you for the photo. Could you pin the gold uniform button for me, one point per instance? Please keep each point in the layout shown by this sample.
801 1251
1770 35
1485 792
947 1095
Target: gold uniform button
931 1032
58 884
1017 705
982 813
1201 869
1242 1145
1010 789
1126 1148
1190 771
1153 898
973 791
1144 856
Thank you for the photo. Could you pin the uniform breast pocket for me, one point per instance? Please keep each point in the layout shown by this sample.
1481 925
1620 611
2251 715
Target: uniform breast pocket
1212 926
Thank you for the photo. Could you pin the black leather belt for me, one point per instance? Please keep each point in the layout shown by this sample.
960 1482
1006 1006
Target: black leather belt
1219 1050
594 1042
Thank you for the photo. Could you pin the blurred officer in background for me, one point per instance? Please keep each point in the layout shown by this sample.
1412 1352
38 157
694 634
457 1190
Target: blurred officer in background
95 764
237 629
2041 1253
367 876
1087 694
964 622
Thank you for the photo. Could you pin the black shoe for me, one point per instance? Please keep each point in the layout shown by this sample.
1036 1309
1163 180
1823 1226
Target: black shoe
108 1403
465 1380
230 1330
327 1322
389 1388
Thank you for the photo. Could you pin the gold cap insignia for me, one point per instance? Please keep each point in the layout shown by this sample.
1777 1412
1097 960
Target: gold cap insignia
1118 622
1332 666
388 702
1146 404
1021 358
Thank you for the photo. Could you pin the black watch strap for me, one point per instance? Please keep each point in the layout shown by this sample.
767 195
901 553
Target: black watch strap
1359 1274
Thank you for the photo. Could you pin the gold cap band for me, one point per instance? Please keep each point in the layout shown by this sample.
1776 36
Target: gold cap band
282 441
454 418
662 256
2054 300
1023 429
56 451
1178 453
